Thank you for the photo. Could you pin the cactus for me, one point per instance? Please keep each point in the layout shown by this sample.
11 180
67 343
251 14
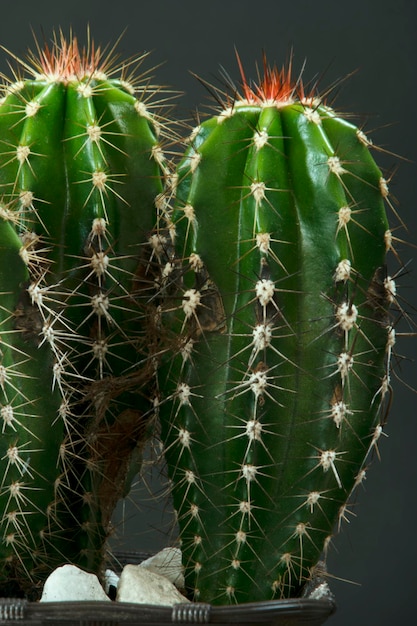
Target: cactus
276 296
81 174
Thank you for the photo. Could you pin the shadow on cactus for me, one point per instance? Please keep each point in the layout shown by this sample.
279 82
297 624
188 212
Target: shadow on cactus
283 315
81 175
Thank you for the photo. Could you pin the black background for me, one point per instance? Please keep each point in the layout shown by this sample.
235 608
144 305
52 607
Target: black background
377 551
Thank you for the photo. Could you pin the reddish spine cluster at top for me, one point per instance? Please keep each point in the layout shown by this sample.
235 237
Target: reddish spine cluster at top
275 85
64 60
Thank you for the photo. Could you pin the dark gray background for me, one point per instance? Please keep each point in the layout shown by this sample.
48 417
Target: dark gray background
377 551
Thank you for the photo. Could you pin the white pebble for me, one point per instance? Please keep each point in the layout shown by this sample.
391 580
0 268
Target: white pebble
71 583
167 563
142 586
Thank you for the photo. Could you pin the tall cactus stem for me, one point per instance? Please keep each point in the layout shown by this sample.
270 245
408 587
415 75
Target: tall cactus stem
274 398
82 172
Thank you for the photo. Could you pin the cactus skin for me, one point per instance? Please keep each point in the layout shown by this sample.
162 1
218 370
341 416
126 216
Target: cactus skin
81 171
273 402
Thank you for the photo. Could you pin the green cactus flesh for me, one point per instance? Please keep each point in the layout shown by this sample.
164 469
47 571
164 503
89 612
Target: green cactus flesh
81 172
274 399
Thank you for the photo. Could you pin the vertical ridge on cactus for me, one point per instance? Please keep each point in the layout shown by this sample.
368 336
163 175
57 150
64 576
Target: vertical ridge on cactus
82 172
275 394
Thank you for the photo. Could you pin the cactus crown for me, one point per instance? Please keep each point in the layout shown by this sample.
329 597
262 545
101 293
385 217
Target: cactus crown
64 60
276 86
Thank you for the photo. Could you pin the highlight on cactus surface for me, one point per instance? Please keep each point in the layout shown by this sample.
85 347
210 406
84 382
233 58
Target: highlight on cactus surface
82 178
282 315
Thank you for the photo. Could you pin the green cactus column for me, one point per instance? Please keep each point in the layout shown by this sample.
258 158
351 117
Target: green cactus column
30 432
274 396
81 179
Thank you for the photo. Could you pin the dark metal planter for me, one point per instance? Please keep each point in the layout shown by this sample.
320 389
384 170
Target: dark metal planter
298 612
